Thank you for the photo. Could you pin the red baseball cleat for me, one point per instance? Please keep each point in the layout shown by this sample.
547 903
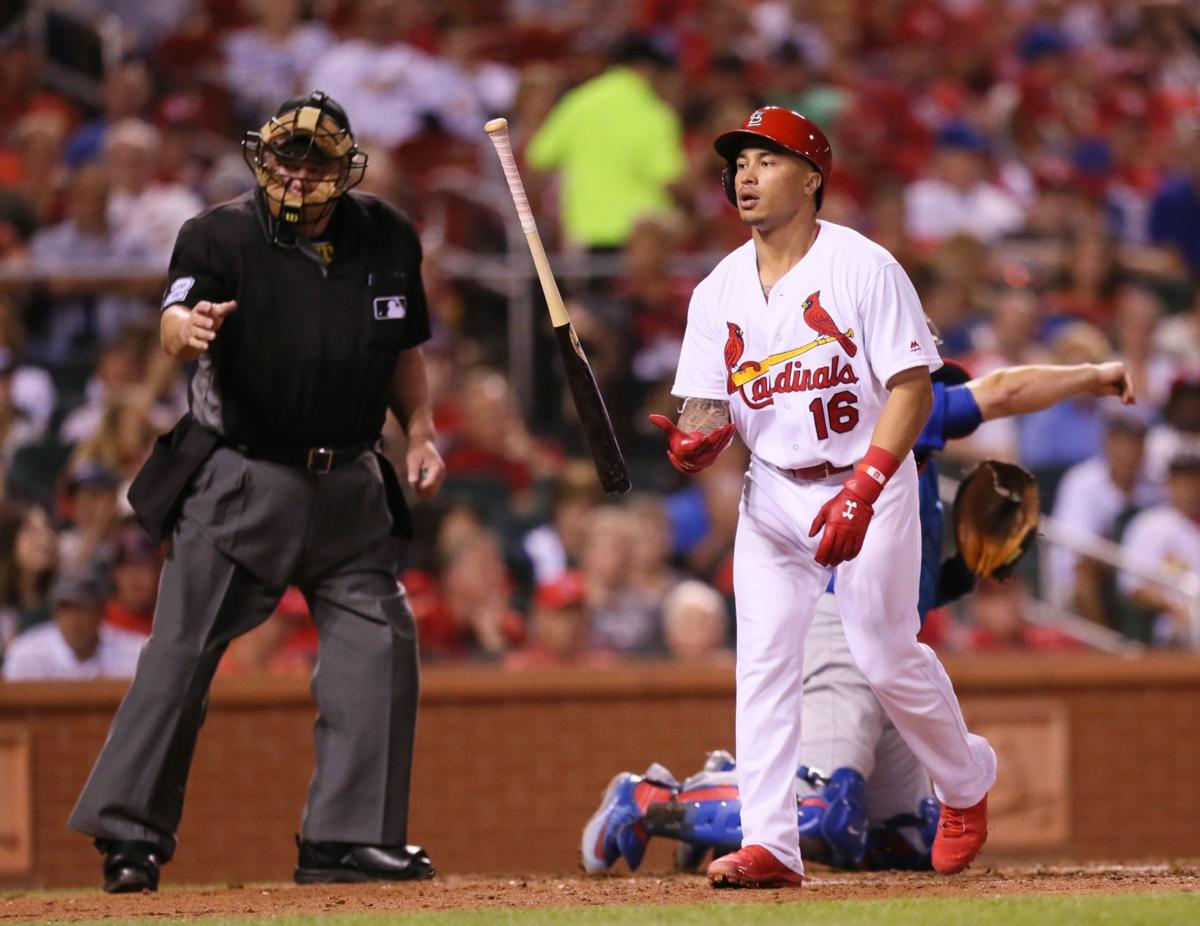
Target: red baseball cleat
752 866
960 836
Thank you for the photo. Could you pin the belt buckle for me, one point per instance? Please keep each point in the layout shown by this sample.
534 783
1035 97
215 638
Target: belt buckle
826 470
319 460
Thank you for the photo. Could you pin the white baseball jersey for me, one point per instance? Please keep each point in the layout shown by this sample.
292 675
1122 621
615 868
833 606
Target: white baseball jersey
804 373
42 653
804 369
1164 538
1088 499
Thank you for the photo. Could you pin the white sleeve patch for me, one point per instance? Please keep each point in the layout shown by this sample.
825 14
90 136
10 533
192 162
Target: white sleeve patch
179 290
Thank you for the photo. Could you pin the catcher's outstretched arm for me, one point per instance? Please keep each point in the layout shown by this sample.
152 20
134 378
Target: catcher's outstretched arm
1021 390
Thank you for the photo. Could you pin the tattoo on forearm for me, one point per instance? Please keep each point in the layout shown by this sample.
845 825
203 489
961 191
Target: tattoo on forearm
704 415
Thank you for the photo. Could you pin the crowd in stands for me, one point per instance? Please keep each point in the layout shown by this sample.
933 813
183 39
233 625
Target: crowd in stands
1034 165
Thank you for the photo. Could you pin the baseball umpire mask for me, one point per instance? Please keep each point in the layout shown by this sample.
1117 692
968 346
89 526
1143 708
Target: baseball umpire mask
304 158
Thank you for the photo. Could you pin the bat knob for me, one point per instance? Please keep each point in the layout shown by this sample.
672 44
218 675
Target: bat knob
492 126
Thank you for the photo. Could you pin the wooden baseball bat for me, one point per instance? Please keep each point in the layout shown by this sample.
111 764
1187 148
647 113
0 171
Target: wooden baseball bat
589 404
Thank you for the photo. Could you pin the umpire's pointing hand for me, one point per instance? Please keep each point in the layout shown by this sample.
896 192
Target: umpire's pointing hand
203 322
186 333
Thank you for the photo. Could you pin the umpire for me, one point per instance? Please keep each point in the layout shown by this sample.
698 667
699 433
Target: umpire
303 305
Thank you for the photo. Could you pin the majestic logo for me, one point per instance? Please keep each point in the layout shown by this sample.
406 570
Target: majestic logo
819 321
793 377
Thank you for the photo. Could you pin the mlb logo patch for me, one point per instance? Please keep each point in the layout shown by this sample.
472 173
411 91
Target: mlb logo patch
179 290
388 307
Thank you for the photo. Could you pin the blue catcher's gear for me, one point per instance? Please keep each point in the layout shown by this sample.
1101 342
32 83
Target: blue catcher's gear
707 813
903 842
719 760
833 824
617 828
689 856
707 810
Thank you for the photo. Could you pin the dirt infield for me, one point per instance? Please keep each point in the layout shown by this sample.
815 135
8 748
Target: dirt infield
477 892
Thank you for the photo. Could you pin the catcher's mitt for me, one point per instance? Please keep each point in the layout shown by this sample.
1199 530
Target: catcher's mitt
995 517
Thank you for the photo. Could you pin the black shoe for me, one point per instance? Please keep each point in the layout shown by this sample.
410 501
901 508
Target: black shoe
130 866
335 862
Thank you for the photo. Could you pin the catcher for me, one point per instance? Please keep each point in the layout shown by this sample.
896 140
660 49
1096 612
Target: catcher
872 807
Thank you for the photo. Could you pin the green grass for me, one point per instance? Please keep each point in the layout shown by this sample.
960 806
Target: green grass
1119 910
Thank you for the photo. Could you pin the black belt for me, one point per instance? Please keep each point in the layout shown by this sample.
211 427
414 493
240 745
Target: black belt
311 459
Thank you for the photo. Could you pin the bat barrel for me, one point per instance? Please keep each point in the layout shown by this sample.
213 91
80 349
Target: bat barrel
593 416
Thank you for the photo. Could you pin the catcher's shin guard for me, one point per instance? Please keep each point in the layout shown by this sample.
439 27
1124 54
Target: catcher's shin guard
705 813
833 824
903 842
617 828
701 817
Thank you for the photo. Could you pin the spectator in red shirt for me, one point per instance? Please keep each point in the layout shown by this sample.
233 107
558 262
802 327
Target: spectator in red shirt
1000 622
135 573
21 70
1090 278
560 631
468 614
91 506
493 442
284 644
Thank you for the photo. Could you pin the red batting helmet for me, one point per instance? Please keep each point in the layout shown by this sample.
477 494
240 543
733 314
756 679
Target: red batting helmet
776 128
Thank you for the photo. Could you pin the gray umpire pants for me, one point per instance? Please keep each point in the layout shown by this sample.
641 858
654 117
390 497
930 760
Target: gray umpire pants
247 530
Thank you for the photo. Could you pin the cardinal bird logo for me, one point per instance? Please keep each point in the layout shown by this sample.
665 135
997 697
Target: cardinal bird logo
735 346
819 321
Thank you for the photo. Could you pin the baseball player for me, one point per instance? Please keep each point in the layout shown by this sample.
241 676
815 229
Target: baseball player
810 341
874 809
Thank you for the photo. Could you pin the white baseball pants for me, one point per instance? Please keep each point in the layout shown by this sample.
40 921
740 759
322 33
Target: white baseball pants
776 584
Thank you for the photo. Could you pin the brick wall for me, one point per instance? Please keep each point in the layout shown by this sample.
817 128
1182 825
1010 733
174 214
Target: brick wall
1097 761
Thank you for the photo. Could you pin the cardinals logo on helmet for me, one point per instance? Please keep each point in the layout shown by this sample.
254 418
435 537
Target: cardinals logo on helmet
819 321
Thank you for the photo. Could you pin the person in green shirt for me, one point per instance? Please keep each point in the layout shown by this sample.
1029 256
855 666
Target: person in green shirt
618 145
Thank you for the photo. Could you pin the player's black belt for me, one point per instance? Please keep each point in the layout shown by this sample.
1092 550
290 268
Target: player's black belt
311 459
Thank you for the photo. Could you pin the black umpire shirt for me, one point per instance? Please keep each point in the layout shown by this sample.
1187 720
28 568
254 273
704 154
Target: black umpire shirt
306 360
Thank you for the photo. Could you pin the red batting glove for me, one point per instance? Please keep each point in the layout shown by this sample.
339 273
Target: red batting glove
691 451
845 516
